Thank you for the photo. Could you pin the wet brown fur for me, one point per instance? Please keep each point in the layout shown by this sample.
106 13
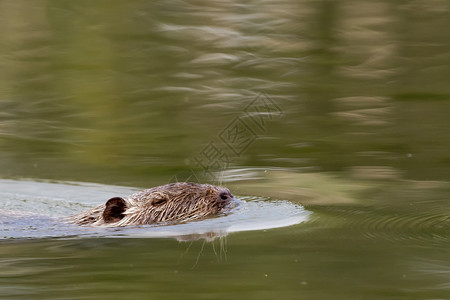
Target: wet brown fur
170 203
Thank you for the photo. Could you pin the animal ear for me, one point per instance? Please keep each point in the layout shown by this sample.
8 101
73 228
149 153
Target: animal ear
114 210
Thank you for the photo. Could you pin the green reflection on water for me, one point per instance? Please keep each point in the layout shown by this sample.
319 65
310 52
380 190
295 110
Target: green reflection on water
121 90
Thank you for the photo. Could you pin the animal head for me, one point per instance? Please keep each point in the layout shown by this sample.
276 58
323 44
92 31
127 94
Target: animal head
170 203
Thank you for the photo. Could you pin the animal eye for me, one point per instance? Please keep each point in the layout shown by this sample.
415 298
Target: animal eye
224 196
159 201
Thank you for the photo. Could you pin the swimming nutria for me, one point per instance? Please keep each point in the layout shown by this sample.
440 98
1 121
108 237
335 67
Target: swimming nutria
170 203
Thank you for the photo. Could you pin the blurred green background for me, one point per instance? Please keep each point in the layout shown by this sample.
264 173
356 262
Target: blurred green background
120 91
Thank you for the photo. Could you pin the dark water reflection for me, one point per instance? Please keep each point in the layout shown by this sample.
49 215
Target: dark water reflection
130 92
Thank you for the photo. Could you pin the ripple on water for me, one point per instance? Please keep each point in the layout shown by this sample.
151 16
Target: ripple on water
424 226
403 226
